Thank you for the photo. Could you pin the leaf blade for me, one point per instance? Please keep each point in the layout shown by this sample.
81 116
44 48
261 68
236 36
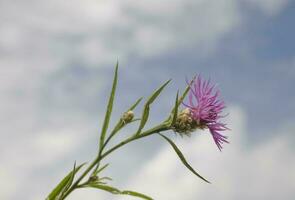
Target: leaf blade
181 98
136 194
105 188
70 180
146 109
100 169
175 110
135 104
186 91
116 191
109 108
182 158
63 183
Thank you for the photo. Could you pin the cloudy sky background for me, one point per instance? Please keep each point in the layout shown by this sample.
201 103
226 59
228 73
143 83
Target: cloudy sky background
56 65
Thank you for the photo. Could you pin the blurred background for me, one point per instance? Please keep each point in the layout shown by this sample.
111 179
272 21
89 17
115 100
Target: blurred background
56 65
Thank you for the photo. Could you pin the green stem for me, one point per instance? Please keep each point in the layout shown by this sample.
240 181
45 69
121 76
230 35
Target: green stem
74 186
156 129
115 130
144 134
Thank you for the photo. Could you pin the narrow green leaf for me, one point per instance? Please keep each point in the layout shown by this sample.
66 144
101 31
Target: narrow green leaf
186 90
101 169
119 192
109 108
184 94
182 158
70 180
144 118
106 178
175 110
170 119
135 104
146 109
134 120
105 188
157 92
64 182
136 194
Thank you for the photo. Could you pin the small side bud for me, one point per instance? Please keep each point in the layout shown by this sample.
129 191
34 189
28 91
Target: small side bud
128 116
93 178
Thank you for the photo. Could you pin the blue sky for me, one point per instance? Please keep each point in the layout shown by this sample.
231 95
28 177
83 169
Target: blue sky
57 61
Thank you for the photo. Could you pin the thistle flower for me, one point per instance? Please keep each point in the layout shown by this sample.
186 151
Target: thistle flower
203 111
205 108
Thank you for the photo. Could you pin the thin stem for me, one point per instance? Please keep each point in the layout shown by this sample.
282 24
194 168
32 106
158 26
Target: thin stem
115 130
144 134
75 184
156 129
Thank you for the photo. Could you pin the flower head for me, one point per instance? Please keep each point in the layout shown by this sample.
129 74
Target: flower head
206 107
184 124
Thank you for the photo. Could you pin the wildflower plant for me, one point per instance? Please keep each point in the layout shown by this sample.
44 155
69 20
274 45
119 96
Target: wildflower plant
203 111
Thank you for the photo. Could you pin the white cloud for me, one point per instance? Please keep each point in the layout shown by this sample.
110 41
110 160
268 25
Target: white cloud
269 7
10 180
24 158
99 32
39 38
254 172
158 27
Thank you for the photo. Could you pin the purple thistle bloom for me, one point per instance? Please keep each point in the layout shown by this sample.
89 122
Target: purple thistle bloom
206 107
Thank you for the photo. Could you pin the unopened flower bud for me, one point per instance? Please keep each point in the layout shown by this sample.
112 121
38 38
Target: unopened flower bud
128 116
93 178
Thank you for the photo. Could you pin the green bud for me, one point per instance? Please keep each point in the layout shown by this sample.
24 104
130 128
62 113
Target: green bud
128 116
93 178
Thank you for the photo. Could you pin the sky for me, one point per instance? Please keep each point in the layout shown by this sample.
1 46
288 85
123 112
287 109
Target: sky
57 61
